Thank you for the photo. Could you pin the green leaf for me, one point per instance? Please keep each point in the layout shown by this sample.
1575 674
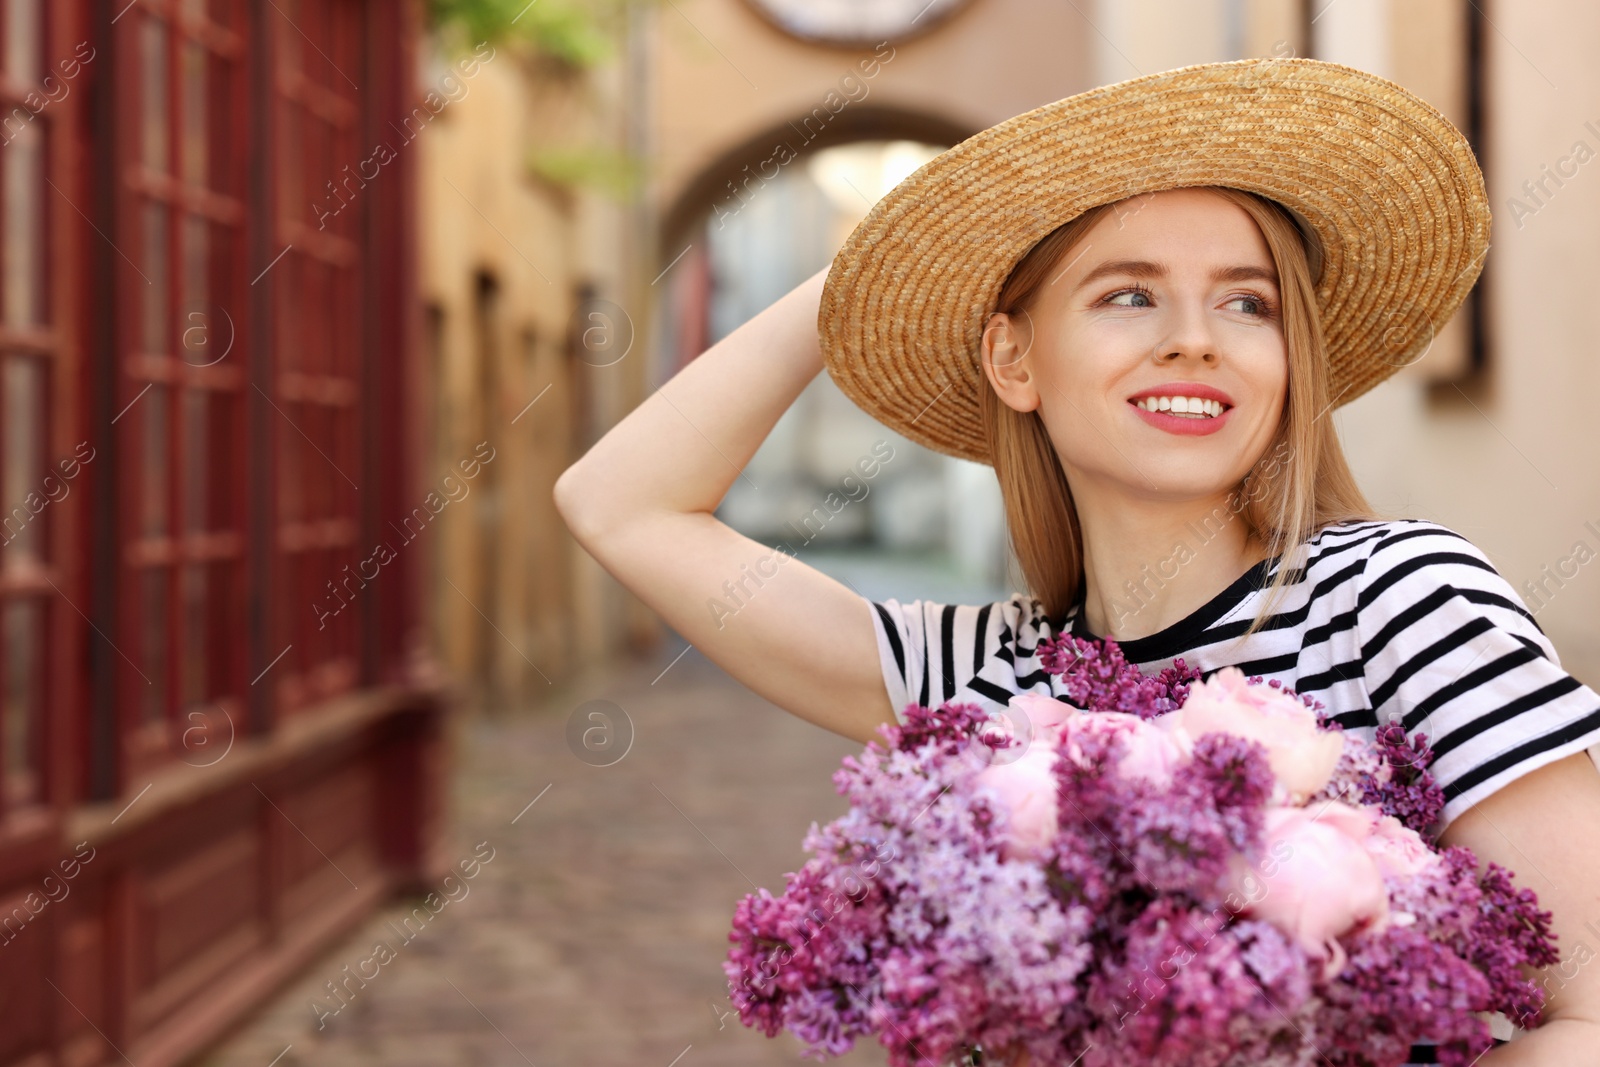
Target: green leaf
571 33
616 174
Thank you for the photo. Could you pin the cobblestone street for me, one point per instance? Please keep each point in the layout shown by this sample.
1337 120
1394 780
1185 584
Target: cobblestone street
593 935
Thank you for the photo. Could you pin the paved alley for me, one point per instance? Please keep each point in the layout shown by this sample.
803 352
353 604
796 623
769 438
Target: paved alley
593 934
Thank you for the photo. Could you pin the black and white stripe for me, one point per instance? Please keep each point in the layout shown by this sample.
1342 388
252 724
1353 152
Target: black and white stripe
1400 620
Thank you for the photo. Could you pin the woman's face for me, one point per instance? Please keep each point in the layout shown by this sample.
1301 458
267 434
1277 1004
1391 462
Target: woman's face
1168 295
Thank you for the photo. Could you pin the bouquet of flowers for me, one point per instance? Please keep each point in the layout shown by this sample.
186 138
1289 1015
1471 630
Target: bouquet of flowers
1164 871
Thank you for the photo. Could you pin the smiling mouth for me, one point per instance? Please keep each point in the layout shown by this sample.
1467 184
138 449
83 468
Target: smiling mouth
1184 407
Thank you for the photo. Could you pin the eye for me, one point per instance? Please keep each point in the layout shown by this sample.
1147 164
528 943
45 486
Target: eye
1252 304
1137 297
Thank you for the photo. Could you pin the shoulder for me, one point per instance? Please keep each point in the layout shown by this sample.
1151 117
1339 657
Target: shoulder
1356 540
1421 551
1390 549
1449 648
1423 538
1340 550
1415 569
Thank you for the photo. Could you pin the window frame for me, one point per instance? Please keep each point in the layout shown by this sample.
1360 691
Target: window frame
182 368
47 580
317 556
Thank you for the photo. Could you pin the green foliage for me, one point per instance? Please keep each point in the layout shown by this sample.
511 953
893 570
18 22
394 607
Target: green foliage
576 34
569 31
616 174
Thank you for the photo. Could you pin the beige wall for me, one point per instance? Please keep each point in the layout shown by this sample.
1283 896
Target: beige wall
516 599
1138 37
972 70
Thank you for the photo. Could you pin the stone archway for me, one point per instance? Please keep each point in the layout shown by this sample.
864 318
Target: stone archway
751 159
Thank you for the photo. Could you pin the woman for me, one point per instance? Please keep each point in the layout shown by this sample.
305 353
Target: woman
1086 297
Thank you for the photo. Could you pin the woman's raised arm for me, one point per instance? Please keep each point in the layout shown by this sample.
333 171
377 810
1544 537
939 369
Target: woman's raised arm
641 501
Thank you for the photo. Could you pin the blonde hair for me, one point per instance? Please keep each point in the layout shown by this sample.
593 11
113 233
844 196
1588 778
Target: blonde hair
1299 484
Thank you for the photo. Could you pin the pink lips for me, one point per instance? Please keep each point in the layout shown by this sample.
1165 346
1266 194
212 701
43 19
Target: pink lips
1177 424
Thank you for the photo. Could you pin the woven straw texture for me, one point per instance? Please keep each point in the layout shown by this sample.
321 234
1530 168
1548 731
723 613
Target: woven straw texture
1388 185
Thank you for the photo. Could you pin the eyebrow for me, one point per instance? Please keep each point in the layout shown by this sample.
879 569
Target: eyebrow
1143 268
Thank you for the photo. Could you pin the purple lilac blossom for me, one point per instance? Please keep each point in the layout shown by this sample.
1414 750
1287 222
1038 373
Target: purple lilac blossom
1123 943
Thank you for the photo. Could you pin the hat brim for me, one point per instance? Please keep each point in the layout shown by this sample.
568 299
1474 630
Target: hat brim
1390 188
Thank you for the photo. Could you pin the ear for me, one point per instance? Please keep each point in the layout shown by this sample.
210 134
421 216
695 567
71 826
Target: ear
1004 356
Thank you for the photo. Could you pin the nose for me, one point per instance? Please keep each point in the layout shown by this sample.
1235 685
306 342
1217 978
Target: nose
1189 335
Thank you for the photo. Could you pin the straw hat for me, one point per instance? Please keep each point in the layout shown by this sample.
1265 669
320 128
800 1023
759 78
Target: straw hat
1386 185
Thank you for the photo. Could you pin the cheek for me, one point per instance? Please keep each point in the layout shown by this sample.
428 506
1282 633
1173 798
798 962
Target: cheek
1271 370
1082 378
1081 415
1086 369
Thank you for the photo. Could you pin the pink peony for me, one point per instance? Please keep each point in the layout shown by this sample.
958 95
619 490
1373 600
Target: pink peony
1302 755
1026 790
1318 879
1040 710
1398 849
1024 779
1025 785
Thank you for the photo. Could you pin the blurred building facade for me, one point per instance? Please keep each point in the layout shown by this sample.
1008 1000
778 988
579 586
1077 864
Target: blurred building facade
527 228
221 740
284 282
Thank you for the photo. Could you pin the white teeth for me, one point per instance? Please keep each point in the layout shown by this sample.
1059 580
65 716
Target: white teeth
1182 405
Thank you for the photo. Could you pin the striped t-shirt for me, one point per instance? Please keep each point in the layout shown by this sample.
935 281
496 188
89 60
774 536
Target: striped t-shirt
1382 621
